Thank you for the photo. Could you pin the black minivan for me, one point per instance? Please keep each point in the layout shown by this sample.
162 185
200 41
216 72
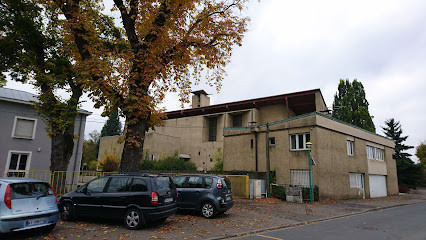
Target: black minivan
135 198
208 194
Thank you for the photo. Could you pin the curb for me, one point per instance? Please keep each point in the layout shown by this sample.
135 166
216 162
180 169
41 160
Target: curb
311 222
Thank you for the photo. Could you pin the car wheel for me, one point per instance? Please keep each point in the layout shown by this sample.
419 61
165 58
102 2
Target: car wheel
208 210
67 212
134 219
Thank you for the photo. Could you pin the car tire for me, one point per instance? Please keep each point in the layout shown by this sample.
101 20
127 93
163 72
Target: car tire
208 210
67 212
134 219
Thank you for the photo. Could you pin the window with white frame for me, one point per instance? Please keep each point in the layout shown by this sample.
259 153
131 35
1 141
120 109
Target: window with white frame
375 153
24 127
299 178
350 147
298 141
18 163
355 180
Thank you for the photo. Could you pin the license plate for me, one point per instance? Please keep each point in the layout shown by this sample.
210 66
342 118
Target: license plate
36 221
228 198
168 200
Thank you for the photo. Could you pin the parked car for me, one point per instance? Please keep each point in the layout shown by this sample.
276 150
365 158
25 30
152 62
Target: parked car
27 204
207 194
135 198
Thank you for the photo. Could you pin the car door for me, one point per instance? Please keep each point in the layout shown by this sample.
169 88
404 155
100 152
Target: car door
180 183
88 201
115 199
194 191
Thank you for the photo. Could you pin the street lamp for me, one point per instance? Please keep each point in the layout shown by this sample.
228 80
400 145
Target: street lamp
311 191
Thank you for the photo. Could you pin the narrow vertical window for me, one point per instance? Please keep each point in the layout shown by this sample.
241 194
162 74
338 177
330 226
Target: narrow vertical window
350 147
212 129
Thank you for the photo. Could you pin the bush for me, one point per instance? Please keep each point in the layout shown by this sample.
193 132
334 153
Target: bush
305 193
110 163
167 163
218 158
278 191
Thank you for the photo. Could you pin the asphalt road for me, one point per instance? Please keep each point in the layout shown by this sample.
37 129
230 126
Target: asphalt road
406 222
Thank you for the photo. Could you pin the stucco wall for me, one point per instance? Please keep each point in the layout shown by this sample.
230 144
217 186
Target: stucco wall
40 146
329 150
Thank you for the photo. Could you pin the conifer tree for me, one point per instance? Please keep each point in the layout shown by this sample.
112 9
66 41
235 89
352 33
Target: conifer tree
351 106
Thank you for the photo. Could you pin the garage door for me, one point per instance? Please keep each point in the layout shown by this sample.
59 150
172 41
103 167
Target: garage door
377 186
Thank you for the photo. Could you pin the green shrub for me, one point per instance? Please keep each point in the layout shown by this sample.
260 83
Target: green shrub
218 158
110 163
167 163
278 191
305 193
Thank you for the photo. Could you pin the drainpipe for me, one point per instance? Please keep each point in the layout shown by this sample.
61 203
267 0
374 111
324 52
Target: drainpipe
76 149
268 177
255 151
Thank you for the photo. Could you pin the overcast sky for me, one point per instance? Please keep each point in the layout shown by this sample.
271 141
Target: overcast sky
307 44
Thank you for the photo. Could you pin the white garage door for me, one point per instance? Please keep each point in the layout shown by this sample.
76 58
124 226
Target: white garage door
377 186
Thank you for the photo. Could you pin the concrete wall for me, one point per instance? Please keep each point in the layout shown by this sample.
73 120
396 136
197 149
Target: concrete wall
40 147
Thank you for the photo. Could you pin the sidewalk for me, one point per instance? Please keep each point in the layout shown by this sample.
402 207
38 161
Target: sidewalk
246 217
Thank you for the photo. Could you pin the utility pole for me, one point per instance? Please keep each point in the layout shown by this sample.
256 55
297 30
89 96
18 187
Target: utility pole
268 167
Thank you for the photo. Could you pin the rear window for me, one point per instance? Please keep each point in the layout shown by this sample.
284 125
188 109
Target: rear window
226 183
164 183
30 190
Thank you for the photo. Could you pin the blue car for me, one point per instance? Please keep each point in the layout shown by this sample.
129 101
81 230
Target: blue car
27 204
206 194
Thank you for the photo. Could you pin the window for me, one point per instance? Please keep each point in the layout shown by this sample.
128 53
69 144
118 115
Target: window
195 182
350 146
298 141
19 162
212 129
299 177
272 141
30 190
24 128
209 182
355 180
237 120
164 184
375 153
118 184
97 185
138 185
179 181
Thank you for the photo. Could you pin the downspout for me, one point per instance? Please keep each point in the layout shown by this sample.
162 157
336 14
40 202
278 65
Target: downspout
286 105
76 149
255 151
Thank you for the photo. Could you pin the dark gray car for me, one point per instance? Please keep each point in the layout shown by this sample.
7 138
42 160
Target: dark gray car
208 194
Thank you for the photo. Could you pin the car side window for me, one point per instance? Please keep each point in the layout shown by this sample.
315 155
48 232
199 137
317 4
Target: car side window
179 181
195 182
118 184
97 185
209 182
139 185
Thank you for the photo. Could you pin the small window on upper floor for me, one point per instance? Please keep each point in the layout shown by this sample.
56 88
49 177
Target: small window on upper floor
298 141
24 128
350 147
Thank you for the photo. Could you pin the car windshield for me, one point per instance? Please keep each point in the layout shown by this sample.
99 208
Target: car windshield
30 190
164 183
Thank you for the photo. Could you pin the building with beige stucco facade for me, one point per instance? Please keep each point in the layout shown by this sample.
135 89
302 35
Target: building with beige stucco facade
349 162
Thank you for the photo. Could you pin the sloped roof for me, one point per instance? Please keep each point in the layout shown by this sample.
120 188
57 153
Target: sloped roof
18 96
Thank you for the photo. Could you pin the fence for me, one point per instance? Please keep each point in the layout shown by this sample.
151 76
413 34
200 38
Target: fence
66 181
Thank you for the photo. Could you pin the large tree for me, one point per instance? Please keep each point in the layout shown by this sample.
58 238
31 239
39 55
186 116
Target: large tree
408 172
33 50
421 154
350 105
29 52
171 45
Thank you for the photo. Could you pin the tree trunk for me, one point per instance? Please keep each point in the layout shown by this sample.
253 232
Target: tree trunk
133 145
61 152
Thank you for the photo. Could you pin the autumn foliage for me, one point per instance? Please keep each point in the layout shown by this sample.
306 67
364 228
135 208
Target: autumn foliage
166 46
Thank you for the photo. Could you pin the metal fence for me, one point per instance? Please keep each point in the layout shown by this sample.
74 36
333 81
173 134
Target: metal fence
66 181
